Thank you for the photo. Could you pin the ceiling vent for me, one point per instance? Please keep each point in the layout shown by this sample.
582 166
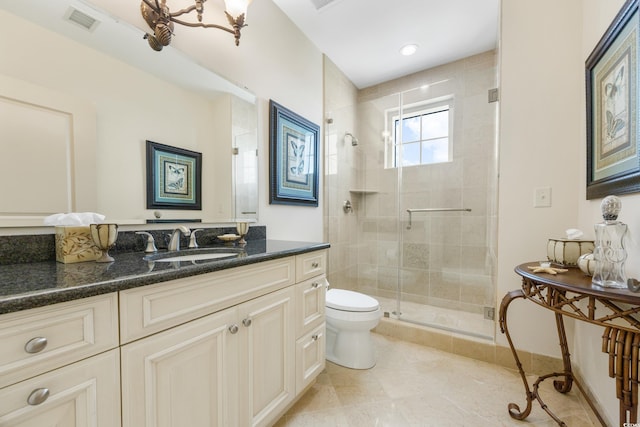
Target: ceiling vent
321 4
81 19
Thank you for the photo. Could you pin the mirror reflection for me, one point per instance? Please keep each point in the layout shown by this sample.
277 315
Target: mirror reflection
78 100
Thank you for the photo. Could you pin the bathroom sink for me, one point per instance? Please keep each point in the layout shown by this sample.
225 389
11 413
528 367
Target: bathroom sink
205 254
197 257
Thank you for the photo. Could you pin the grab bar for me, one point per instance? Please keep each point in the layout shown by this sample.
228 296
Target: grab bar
411 211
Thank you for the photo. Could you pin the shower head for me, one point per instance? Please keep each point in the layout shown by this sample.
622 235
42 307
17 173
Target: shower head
354 140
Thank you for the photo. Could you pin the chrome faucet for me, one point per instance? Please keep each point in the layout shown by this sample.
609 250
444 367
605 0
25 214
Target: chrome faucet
174 242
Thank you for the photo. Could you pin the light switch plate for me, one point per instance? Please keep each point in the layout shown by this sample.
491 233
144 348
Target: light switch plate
542 197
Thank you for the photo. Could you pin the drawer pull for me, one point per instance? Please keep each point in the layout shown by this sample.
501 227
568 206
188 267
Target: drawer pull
315 285
247 322
233 329
35 345
38 396
315 264
315 337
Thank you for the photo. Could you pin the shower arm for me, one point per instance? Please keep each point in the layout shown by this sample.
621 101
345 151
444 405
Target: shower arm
411 211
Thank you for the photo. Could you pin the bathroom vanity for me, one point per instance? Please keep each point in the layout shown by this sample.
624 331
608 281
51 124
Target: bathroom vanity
232 341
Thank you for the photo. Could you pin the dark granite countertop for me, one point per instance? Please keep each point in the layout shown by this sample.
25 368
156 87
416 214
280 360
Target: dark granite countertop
30 285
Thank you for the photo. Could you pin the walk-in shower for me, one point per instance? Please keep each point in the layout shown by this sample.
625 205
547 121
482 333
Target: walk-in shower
422 181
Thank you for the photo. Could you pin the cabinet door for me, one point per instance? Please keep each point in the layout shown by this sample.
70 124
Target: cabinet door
310 357
310 304
186 376
83 394
268 328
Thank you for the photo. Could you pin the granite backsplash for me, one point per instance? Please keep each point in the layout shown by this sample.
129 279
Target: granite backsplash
20 249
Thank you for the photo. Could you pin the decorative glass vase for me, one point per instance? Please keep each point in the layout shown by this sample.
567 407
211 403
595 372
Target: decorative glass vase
609 253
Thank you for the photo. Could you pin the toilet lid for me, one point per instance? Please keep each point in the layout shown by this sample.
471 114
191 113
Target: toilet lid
341 299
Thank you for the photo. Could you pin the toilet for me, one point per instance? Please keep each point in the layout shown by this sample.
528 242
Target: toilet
350 318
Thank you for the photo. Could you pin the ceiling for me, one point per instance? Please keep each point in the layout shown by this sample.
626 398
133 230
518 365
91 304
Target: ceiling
363 37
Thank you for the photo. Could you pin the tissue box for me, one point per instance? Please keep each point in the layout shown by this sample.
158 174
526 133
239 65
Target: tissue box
566 251
74 244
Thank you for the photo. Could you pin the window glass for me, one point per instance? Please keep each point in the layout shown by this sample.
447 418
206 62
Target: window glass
435 125
422 136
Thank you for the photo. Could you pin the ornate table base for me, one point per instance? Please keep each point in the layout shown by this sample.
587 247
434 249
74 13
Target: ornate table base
621 340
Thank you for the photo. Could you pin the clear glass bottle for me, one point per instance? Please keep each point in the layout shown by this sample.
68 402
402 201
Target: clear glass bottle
609 253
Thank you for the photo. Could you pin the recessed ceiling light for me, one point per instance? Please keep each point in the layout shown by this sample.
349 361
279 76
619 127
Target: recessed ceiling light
409 49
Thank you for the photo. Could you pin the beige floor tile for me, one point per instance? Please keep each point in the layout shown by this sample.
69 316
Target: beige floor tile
418 386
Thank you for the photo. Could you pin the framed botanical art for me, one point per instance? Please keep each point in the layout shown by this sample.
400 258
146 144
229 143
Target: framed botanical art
174 177
293 158
613 161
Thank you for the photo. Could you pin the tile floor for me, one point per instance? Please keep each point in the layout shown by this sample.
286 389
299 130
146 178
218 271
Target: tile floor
414 385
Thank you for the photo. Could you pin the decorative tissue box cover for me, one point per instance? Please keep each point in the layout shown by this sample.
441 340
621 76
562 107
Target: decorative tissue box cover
74 244
567 252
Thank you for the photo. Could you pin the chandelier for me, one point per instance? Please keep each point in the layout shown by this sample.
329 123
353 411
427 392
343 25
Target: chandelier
161 20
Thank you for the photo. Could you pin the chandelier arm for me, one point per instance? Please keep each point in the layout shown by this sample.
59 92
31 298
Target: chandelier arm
154 5
200 24
182 12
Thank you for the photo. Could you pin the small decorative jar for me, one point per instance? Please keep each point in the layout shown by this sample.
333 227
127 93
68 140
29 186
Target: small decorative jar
567 251
587 264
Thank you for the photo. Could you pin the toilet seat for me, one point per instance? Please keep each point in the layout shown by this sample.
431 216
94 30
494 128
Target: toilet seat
344 300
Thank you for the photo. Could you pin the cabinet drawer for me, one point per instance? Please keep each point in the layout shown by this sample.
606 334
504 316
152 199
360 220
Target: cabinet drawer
310 265
186 376
310 303
310 357
85 393
154 308
38 340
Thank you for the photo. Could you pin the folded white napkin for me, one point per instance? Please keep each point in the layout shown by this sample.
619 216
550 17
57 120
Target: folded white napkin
574 234
74 218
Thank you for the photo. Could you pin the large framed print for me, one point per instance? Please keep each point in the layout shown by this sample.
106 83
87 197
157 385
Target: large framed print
293 158
174 177
613 163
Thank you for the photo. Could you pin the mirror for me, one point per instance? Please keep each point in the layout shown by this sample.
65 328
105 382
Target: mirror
79 99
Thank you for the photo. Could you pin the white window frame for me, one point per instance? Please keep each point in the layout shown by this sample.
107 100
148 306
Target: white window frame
412 110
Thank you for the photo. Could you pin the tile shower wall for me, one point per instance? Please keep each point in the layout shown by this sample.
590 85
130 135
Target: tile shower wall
341 171
445 259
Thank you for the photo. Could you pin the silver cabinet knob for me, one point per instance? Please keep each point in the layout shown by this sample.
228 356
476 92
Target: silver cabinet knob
38 396
35 345
233 329
247 322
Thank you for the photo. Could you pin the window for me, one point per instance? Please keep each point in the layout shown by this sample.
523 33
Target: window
421 137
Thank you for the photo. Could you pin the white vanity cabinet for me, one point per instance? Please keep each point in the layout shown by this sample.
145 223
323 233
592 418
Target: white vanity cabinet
220 349
233 347
59 365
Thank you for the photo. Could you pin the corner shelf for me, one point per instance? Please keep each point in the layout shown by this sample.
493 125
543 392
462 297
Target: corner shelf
362 191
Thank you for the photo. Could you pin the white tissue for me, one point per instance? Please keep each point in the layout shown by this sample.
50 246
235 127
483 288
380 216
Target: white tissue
574 234
74 218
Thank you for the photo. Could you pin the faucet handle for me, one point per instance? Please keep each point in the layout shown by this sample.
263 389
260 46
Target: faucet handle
151 244
192 241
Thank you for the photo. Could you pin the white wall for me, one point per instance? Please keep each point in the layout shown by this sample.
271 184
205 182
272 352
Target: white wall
543 137
540 144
